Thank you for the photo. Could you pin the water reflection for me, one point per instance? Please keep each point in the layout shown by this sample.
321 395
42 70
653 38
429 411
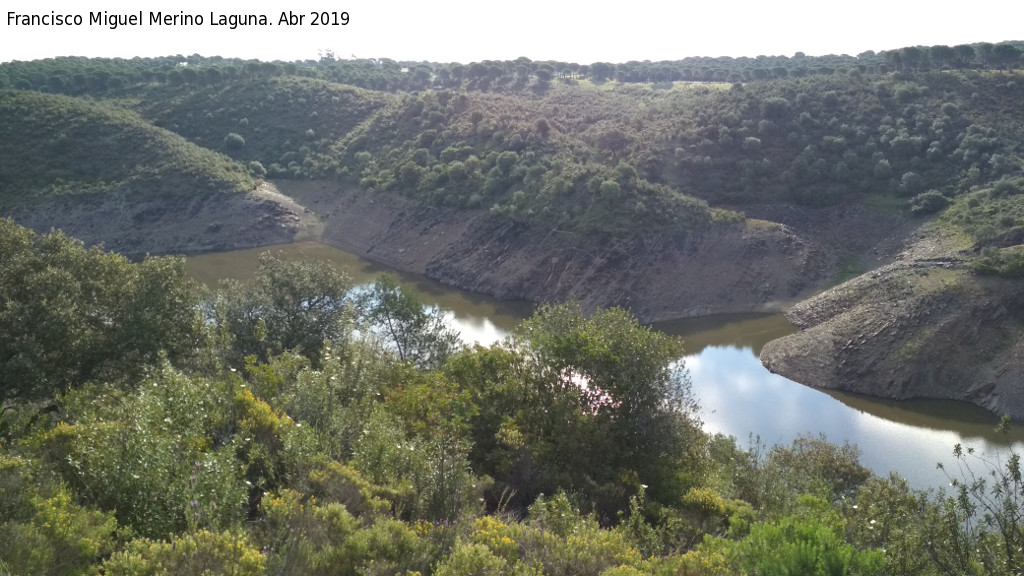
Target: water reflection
738 395
478 318
739 398
743 330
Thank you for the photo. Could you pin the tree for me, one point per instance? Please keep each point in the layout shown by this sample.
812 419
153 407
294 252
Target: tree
69 315
290 305
941 55
965 55
405 326
1006 55
234 141
595 405
613 141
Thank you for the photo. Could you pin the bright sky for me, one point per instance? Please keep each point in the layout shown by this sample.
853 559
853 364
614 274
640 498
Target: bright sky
466 31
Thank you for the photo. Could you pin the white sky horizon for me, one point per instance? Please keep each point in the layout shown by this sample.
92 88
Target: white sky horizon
463 31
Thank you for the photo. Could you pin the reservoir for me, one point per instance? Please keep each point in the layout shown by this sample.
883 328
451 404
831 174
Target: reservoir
738 396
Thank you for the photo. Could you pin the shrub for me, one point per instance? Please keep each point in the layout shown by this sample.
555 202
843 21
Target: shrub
47 534
928 202
1006 187
202 552
475 559
802 546
234 141
257 169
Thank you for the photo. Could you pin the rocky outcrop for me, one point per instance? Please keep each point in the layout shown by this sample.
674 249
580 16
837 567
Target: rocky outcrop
748 267
922 326
139 224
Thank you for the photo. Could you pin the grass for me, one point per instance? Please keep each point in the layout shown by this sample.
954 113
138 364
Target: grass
757 224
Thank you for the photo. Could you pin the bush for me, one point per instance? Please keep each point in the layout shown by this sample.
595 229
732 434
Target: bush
474 559
1008 262
1006 187
257 169
234 141
803 546
928 202
47 534
158 482
202 552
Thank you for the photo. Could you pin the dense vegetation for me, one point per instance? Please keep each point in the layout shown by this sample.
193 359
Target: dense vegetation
54 145
294 426
78 76
598 148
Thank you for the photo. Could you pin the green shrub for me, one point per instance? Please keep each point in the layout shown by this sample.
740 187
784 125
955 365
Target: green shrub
800 546
928 202
468 558
195 553
234 141
43 531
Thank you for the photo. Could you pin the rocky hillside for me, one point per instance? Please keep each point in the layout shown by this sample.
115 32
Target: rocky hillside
938 322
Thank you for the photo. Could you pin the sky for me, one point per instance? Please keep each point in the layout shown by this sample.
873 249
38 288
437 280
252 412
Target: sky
467 31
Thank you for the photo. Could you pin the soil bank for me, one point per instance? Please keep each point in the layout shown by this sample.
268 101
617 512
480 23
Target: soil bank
922 326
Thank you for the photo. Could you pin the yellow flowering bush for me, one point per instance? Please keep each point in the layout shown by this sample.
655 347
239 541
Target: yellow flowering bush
497 536
49 535
201 553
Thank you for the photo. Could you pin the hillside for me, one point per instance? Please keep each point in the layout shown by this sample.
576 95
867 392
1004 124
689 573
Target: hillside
616 157
944 320
674 189
102 174
578 152
54 145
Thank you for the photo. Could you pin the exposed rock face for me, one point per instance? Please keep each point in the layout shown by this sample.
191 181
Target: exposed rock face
756 266
135 224
726 269
923 326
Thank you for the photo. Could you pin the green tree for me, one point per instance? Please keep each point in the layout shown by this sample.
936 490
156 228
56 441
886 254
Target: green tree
965 55
234 141
597 405
69 315
941 55
613 141
290 305
1006 55
404 325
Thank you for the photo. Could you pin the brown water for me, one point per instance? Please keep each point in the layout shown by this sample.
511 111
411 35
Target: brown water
479 318
739 397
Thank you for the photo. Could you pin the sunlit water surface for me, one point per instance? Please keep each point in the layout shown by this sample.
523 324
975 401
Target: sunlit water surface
738 396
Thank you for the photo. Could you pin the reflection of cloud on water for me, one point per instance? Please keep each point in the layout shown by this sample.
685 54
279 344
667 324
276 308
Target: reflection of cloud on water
475 329
739 397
